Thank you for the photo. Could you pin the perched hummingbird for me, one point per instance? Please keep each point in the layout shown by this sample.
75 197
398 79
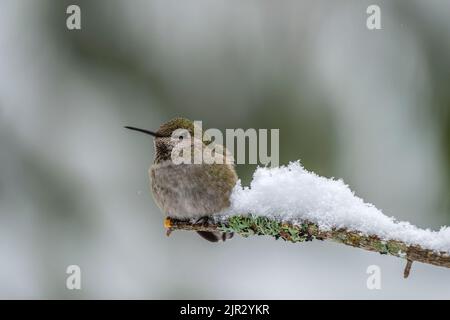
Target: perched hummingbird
188 190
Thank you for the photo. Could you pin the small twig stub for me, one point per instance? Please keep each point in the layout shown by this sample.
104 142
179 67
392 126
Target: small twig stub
407 268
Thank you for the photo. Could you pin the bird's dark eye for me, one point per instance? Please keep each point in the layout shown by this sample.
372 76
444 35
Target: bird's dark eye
180 138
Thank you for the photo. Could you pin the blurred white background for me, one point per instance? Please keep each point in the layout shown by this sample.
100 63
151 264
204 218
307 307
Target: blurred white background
371 107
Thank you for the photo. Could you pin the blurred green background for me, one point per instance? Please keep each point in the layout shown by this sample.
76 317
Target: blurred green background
371 107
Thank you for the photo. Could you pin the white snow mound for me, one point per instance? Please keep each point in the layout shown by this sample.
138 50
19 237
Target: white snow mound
291 193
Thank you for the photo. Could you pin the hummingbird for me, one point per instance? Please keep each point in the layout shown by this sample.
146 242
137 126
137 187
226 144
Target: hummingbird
186 191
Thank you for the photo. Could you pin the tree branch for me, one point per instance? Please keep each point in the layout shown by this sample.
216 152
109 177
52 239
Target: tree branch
306 231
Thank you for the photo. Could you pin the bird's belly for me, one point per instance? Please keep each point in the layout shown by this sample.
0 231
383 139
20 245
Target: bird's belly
186 191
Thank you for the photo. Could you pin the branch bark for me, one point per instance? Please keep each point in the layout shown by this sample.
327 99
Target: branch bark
307 231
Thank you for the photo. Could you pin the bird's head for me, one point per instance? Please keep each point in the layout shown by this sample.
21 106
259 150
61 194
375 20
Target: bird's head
170 134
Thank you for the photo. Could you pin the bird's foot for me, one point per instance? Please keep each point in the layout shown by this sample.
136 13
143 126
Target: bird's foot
202 220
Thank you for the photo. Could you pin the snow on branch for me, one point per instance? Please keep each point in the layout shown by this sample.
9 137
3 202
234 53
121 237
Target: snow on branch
296 205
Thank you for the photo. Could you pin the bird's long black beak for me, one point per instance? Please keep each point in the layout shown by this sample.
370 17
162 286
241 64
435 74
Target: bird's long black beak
154 134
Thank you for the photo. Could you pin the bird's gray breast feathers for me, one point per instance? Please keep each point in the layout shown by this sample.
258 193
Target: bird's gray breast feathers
186 191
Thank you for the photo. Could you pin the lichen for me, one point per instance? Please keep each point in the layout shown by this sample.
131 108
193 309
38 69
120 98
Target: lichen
381 247
397 248
257 225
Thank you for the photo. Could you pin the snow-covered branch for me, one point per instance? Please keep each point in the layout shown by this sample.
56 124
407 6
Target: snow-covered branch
294 204
307 231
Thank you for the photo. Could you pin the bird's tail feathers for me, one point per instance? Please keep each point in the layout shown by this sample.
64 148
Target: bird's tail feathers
215 236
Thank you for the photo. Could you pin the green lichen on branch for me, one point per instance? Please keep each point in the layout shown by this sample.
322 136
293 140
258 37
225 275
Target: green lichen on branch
250 225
